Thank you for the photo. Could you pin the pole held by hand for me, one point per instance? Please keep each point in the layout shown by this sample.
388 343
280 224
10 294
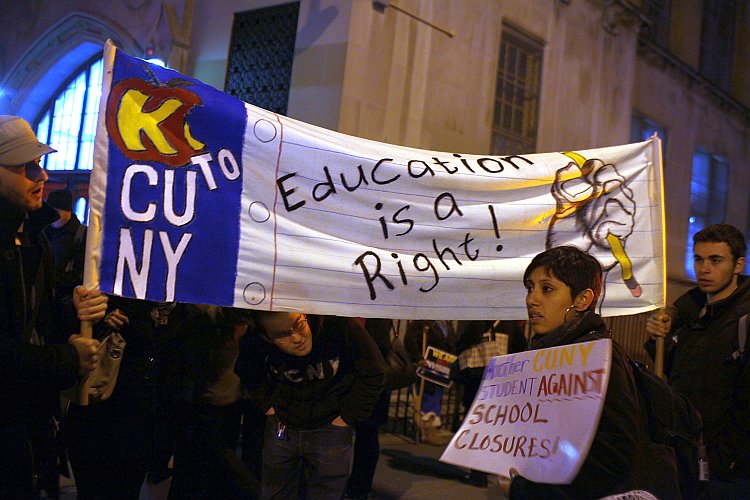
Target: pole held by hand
659 357
83 397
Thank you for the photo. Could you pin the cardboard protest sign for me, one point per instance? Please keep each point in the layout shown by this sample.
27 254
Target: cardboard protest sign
199 197
437 367
536 411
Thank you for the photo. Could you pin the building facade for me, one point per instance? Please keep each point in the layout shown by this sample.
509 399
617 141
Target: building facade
473 76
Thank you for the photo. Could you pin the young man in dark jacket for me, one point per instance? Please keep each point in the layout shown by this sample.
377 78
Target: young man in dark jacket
704 359
324 377
67 239
33 373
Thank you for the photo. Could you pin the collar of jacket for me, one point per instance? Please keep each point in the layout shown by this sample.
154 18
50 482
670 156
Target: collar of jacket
584 324
691 303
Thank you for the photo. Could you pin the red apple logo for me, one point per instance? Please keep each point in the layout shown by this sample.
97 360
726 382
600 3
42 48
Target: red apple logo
148 120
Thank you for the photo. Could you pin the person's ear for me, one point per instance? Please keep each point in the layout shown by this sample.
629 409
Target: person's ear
583 300
739 265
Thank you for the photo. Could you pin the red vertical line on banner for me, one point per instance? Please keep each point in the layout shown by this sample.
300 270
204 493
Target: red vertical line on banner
275 199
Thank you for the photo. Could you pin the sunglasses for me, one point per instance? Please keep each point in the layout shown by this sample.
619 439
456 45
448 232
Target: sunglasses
31 170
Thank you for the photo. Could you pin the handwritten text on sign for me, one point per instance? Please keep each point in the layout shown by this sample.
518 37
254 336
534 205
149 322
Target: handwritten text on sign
437 366
536 411
198 197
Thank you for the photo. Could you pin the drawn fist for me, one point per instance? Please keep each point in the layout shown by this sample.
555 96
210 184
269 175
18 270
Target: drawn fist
593 202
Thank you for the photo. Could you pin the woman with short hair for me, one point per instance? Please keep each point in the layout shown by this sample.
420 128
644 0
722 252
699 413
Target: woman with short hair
563 285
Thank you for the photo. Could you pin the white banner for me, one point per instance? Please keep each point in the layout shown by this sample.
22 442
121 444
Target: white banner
199 197
537 412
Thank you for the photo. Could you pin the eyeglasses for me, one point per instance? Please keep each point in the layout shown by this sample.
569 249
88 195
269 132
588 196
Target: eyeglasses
31 169
298 328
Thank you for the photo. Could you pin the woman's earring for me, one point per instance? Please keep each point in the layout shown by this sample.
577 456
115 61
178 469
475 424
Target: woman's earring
572 306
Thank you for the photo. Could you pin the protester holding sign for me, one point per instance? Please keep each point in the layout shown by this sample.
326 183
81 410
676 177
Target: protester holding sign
33 368
176 393
705 342
563 285
421 334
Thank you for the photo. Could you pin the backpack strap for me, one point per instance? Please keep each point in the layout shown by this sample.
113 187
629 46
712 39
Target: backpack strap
78 242
739 354
739 357
44 271
742 335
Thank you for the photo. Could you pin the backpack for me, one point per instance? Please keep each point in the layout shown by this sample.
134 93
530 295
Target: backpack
674 422
400 370
79 242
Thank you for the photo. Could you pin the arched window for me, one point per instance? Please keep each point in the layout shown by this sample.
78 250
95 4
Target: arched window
69 122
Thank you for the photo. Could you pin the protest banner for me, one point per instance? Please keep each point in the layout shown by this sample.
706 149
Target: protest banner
198 197
537 412
437 367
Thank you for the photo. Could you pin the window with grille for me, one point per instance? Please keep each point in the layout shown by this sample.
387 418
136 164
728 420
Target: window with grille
516 113
717 41
659 13
708 198
261 54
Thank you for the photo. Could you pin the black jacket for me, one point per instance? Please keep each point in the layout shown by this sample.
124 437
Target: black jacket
68 244
700 366
31 374
342 375
175 358
621 457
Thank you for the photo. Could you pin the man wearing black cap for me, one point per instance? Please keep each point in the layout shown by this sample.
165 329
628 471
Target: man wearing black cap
31 373
67 237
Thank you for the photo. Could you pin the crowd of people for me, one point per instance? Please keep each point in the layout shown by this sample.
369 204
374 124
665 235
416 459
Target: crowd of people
306 394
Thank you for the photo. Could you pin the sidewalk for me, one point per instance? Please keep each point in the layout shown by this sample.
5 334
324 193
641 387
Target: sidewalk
411 471
406 470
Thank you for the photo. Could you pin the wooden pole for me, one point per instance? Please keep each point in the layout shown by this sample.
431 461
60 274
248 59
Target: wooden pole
659 351
96 203
180 48
83 396
659 357
418 396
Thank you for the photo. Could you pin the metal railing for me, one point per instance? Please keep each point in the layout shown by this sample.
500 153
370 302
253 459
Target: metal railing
628 331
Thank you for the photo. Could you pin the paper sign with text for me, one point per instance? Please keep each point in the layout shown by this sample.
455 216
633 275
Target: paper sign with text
537 412
437 367
199 197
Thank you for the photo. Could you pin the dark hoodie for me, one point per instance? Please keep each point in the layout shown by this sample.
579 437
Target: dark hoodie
342 375
700 366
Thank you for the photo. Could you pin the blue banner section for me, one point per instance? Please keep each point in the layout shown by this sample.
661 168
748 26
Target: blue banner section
174 185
